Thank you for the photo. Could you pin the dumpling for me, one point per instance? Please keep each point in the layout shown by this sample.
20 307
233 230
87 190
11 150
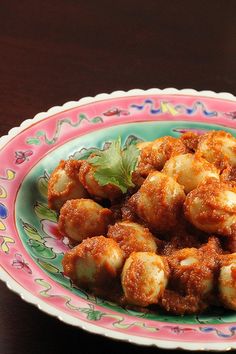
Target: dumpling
94 263
132 237
144 166
82 218
190 170
219 148
192 278
212 208
64 184
193 269
164 148
154 154
227 281
159 201
144 278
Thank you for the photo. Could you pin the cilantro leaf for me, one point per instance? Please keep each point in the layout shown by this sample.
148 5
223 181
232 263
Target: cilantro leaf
115 166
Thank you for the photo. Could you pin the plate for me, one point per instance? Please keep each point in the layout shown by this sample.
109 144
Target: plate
31 248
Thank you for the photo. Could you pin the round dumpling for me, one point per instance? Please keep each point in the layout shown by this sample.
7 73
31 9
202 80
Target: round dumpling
227 281
159 201
193 269
212 208
144 278
82 218
132 237
164 148
190 170
64 184
218 147
144 166
192 278
93 263
86 176
153 155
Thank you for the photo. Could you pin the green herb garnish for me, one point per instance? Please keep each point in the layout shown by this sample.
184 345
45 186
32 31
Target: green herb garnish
115 166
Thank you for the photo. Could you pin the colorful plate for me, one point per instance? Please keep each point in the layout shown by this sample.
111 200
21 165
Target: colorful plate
30 246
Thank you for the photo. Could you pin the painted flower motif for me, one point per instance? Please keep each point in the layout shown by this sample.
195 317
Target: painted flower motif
19 263
179 330
53 239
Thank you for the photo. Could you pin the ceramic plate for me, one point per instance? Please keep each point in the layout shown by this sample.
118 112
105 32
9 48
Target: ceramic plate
31 248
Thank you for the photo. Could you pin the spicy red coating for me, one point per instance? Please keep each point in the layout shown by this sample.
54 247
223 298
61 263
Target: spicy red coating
71 168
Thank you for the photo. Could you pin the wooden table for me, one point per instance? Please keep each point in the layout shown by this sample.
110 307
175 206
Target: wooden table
59 50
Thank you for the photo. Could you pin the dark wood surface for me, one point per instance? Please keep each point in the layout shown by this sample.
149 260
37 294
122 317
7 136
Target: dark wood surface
53 51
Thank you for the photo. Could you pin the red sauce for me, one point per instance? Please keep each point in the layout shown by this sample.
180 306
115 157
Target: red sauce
193 257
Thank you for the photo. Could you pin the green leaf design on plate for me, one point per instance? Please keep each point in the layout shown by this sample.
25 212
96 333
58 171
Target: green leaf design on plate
83 154
43 212
31 232
43 184
82 116
132 139
92 315
97 120
40 250
48 267
33 141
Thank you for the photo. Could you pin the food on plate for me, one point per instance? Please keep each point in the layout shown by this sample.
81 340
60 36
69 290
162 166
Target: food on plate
211 207
153 155
64 184
132 237
189 170
94 263
227 281
190 140
152 225
193 273
158 202
144 278
108 173
82 218
219 148
86 176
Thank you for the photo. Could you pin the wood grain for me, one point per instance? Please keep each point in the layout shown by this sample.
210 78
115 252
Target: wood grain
56 51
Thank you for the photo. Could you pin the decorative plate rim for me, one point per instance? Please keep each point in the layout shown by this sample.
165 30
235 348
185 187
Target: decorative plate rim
115 94
30 298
